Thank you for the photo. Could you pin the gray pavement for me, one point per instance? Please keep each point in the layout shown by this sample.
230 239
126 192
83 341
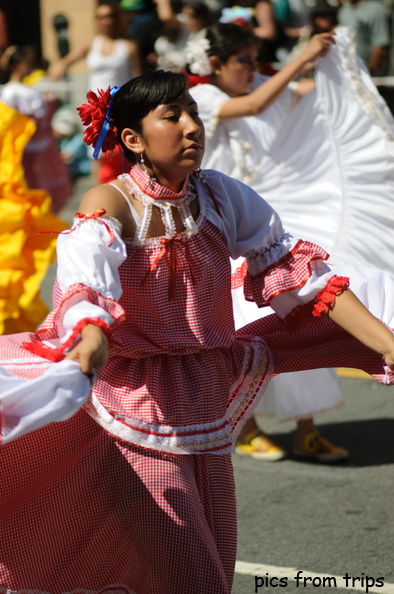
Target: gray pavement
325 519
322 519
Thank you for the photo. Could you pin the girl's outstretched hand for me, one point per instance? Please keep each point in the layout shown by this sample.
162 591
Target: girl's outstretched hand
318 46
389 359
354 317
91 351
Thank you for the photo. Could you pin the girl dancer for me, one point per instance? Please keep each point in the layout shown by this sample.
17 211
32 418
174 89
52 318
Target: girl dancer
138 494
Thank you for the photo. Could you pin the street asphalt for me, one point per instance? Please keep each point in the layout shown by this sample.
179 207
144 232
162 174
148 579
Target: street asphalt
326 521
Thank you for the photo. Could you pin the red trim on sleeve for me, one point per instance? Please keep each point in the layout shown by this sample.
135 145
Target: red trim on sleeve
287 274
325 300
42 350
76 293
238 277
320 305
49 328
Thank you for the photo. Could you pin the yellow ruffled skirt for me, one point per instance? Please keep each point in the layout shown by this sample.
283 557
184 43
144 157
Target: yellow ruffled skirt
28 230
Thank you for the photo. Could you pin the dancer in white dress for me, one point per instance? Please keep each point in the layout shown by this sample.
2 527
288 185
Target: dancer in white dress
111 61
318 161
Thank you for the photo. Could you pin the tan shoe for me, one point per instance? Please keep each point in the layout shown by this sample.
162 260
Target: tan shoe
257 445
316 447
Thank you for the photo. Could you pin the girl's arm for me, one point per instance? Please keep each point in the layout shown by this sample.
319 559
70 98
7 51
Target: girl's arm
164 10
59 69
260 99
91 351
352 316
266 27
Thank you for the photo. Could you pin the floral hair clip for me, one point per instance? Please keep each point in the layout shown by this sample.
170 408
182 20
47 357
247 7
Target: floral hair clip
196 54
100 131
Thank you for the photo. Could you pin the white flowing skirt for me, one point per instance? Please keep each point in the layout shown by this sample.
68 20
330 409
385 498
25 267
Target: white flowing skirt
303 394
336 186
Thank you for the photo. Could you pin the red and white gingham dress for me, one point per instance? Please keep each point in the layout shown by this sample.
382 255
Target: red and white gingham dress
89 510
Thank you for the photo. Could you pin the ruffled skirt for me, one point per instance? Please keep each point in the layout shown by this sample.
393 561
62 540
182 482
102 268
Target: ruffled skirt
84 512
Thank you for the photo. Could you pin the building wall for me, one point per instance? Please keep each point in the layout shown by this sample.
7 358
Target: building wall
79 14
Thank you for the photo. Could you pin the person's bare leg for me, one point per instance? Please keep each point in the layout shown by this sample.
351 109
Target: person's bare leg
310 444
254 442
249 427
304 427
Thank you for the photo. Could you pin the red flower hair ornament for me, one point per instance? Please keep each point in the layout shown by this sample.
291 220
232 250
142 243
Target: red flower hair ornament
100 131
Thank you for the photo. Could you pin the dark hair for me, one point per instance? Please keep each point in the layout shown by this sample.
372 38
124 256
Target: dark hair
119 22
200 9
322 8
227 39
23 53
140 96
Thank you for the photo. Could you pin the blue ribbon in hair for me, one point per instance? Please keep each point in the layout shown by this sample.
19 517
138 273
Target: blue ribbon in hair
105 128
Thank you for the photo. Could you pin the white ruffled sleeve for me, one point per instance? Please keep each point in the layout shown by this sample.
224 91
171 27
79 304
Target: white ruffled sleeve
279 270
88 286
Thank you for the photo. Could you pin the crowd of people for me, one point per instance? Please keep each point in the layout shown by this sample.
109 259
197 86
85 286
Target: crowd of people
132 37
236 201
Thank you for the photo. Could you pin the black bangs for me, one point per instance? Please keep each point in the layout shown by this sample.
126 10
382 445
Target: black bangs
166 87
141 95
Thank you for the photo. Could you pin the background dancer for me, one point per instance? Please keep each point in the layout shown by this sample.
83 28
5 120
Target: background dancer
309 158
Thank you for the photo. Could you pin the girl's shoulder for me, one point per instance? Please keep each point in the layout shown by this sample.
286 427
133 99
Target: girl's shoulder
107 197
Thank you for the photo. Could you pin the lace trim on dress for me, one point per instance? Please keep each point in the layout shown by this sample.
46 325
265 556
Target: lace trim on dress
367 94
179 201
165 200
210 127
216 437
